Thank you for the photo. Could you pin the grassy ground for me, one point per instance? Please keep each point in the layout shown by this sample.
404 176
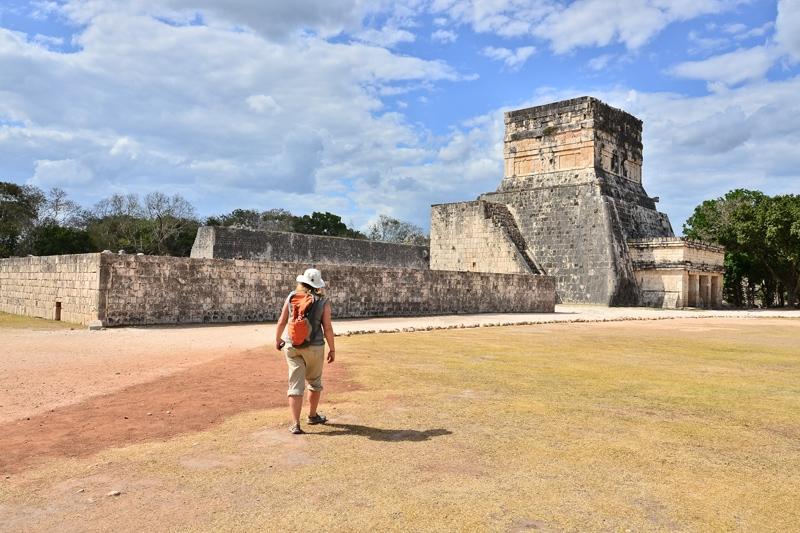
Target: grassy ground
25 322
689 425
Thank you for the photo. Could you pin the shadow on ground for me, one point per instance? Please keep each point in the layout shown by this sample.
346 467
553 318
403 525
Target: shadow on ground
189 401
385 435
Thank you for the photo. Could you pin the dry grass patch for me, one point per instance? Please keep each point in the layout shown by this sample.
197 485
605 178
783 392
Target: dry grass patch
647 426
8 320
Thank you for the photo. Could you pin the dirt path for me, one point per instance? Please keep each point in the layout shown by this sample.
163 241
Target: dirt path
190 400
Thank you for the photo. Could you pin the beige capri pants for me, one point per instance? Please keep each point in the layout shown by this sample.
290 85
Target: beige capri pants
305 365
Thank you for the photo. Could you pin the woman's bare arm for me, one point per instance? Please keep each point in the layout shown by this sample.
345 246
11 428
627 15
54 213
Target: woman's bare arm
282 321
327 328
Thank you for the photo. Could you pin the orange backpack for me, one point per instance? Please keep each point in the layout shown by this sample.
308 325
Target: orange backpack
300 305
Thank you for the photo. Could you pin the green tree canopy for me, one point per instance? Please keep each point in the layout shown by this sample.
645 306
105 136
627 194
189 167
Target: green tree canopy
325 224
761 235
19 211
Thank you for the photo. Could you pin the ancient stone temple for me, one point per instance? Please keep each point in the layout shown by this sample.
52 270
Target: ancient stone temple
571 204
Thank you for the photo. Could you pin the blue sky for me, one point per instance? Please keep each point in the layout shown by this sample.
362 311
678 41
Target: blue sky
374 107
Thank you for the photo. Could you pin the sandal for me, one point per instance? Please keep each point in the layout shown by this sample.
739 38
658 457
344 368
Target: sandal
317 419
296 430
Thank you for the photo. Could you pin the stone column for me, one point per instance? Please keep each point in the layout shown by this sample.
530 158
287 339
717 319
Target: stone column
684 297
705 292
694 290
716 292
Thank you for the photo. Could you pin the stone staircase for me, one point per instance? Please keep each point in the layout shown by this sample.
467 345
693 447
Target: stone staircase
503 219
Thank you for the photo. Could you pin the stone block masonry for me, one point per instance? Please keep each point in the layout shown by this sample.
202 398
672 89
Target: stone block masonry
124 290
465 236
65 287
675 272
234 243
171 290
573 185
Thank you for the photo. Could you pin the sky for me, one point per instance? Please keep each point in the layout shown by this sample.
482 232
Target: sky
365 108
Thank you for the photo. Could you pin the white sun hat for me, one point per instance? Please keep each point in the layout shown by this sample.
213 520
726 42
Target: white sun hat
312 277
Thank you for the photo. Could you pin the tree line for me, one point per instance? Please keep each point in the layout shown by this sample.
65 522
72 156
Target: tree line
35 222
761 236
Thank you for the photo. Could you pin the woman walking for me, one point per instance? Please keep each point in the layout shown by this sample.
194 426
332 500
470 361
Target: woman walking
308 314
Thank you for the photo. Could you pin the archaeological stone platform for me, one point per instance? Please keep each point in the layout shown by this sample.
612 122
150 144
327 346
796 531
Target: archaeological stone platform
216 242
571 204
121 290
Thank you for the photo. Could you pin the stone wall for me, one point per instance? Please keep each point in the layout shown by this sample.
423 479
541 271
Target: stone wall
567 137
465 237
572 179
676 253
662 288
170 290
215 242
569 233
45 287
674 272
139 290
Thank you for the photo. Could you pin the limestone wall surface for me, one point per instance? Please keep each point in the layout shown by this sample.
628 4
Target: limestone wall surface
662 288
676 253
45 286
568 231
465 237
170 290
234 243
573 180
571 135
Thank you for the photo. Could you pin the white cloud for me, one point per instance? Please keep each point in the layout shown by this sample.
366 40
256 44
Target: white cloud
62 173
225 117
600 62
444 36
262 103
745 64
787 27
513 59
272 19
735 28
387 36
570 25
48 41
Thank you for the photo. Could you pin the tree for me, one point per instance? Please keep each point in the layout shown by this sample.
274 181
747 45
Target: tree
52 239
277 220
161 225
761 236
780 217
390 229
168 217
60 210
19 210
244 218
116 223
325 224
271 219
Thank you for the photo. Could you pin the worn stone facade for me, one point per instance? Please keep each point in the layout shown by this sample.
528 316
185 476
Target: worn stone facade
168 290
573 185
476 237
214 242
673 272
65 287
138 290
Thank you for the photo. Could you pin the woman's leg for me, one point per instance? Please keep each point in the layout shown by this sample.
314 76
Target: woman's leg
295 406
313 402
297 375
314 358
